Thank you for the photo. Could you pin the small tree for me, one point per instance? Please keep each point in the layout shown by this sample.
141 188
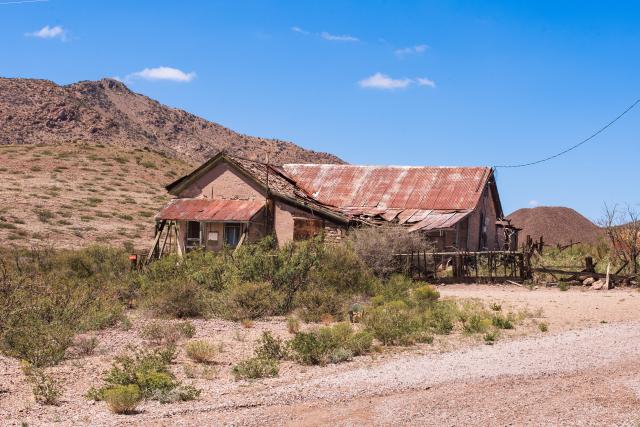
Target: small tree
378 247
622 228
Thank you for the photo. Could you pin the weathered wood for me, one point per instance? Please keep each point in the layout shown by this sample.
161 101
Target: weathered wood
156 241
577 273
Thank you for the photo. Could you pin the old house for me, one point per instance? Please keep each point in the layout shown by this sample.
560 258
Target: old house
231 200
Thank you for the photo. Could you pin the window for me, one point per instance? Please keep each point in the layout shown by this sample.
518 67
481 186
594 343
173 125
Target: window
193 235
306 228
232 234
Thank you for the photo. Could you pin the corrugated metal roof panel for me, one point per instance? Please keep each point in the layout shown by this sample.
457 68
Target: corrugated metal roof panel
391 187
439 219
210 210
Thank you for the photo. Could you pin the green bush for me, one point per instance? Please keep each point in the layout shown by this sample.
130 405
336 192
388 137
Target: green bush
251 300
123 399
255 368
426 294
46 390
270 347
501 322
315 302
149 371
326 344
178 297
476 323
48 296
393 323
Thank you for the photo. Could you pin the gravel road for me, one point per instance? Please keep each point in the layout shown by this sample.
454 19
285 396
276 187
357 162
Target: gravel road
578 377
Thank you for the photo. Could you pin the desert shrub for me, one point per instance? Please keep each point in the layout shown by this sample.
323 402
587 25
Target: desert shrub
46 389
270 347
326 344
177 297
476 323
149 371
396 287
86 345
495 307
255 368
201 351
341 269
33 339
360 343
123 399
293 325
309 349
393 323
187 329
426 294
164 333
315 302
441 317
250 300
377 246
490 337
543 327
501 322
339 355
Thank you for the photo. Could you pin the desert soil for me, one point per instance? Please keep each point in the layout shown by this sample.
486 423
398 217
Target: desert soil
583 371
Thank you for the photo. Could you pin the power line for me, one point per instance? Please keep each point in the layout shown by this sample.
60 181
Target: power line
573 147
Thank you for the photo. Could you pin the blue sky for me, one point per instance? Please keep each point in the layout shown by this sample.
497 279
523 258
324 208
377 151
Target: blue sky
376 82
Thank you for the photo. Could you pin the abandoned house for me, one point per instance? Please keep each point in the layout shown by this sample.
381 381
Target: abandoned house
231 200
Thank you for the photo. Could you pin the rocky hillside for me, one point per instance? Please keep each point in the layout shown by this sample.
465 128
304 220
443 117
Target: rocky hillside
556 225
107 112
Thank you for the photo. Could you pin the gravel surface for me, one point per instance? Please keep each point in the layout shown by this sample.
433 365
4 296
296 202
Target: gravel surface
581 372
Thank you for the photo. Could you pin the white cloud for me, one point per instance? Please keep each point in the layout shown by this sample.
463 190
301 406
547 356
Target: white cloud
423 81
413 50
533 203
48 32
163 73
383 81
299 30
338 38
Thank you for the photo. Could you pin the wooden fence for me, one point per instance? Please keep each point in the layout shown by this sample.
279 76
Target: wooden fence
479 267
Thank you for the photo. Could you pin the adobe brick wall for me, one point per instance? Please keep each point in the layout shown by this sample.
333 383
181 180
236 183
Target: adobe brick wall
222 182
284 224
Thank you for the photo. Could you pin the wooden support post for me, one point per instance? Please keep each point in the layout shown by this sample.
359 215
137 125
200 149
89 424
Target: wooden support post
589 266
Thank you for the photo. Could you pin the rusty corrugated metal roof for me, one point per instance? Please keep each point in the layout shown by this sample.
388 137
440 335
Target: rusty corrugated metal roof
391 187
210 210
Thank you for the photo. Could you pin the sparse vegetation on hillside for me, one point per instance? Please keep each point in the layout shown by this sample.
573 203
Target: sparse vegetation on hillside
73 195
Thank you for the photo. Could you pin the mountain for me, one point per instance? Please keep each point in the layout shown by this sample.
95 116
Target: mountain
108 112
87 163
556 224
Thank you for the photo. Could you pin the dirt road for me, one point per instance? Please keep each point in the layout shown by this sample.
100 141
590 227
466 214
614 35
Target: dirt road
580 377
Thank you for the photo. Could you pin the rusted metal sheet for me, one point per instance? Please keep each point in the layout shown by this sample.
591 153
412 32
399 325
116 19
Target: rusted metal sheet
437 220
210 210
391 187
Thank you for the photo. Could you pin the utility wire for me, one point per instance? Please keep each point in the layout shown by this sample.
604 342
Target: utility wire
573 147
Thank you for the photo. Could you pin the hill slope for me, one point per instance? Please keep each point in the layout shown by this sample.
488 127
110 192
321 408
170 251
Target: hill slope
71 195
88 162
107 112
556 225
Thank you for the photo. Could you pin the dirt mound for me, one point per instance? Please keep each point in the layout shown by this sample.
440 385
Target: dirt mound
107 112
556 224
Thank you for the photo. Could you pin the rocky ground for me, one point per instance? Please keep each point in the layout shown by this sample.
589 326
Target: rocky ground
583 371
